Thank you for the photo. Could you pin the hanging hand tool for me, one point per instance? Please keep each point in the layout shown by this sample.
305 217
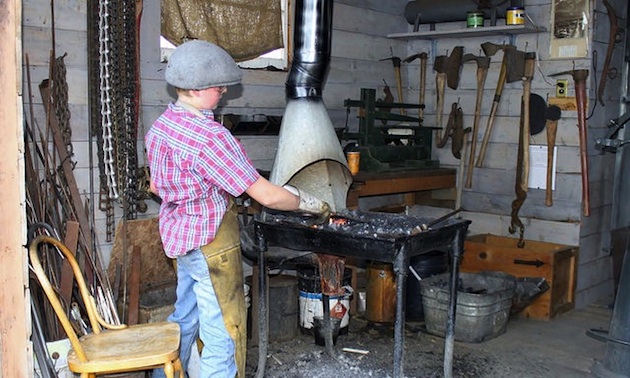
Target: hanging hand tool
512 67
522 164
552 114
396 62
460 172
521 195
614 37
483 63
447 71
453 119
389 98
579 79
528 74
423 79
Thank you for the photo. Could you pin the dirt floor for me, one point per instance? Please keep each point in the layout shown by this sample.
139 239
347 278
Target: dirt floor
302 357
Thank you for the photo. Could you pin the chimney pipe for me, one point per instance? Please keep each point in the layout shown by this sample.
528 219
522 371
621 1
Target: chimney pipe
311 49
309 153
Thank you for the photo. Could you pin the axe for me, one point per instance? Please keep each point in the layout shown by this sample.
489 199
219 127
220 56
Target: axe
396 61
579 79
447 70
515 73
483 63
423 78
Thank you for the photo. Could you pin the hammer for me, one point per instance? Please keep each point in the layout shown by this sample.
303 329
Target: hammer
579 79
396 61
483 63
423 78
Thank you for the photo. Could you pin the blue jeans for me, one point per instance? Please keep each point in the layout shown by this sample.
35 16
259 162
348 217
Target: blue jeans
198 314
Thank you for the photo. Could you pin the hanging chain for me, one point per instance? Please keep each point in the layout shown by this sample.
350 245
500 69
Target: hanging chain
60 100
105 90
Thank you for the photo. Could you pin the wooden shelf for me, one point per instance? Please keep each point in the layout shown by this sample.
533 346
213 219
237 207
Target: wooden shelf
528 27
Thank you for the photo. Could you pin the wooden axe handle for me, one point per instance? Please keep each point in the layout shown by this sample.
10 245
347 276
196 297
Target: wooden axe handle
440 85
552 128
399 87
579 76
527 89
493 112
423 83
482 73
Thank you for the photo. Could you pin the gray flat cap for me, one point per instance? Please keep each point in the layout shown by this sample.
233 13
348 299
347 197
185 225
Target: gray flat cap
199 65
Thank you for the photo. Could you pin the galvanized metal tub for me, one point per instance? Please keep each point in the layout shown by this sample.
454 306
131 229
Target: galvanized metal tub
483 304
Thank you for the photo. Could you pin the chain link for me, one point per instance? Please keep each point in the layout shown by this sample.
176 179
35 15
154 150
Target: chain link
106 101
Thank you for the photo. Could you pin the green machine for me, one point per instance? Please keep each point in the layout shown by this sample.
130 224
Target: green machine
402 145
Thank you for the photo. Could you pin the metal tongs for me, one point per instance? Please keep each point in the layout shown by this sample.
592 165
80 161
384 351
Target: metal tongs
426 226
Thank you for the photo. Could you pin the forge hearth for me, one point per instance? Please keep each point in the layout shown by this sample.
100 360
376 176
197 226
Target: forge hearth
384 237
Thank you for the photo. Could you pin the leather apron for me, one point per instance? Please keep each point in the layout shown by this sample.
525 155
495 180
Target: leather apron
223 256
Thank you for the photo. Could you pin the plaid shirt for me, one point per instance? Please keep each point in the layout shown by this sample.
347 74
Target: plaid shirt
195 165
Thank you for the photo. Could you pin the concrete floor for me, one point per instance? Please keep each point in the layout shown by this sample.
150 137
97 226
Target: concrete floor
528 349
560 346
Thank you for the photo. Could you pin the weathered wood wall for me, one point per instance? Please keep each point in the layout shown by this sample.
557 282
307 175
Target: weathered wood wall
359 44
15 326
488 202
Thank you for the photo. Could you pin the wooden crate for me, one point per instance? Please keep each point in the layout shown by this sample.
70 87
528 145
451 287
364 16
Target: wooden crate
555 262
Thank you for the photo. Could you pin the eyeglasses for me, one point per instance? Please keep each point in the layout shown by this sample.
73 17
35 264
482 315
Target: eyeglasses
221 90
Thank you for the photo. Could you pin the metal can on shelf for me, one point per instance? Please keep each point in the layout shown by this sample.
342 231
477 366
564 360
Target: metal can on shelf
474 19
515 16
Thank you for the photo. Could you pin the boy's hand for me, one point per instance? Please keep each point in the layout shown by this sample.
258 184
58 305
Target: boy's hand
312 205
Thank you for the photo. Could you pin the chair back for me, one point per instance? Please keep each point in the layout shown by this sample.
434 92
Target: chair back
42 277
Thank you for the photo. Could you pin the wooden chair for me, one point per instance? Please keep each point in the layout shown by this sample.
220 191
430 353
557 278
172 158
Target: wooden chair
117 348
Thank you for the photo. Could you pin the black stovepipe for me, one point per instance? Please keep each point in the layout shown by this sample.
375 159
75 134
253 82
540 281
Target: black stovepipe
312 35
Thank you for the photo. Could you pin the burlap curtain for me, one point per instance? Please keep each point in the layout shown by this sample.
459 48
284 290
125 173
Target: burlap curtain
244 28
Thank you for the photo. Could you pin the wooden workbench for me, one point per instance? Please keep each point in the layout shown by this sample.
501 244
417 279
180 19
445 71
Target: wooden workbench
407 182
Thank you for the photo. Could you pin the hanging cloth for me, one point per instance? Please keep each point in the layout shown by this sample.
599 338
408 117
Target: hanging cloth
244 28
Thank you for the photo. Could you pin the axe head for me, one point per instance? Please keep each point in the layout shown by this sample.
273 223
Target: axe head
420 56
450 65
482 61
515 61
490 49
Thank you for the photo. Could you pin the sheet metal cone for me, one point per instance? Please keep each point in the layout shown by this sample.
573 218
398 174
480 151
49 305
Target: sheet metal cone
309 154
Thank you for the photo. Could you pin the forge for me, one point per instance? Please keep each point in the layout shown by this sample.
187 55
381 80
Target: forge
310 157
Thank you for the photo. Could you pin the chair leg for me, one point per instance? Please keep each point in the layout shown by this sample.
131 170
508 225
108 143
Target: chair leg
178 368
168 369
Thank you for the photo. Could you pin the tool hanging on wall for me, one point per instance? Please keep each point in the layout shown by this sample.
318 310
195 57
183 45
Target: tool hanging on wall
579 79
396 61
614 37
423 78
455 131
553 114
447 70
490 49
483 63
522 164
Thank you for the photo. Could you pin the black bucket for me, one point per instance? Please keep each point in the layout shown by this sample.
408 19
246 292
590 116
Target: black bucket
310 301
425 266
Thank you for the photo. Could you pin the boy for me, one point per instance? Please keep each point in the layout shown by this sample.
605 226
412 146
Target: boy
197 167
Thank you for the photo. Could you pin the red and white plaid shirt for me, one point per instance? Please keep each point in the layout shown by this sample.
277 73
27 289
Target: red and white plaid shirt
195 165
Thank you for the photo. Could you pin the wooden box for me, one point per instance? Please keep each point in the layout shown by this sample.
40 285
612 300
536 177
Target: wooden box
555 262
